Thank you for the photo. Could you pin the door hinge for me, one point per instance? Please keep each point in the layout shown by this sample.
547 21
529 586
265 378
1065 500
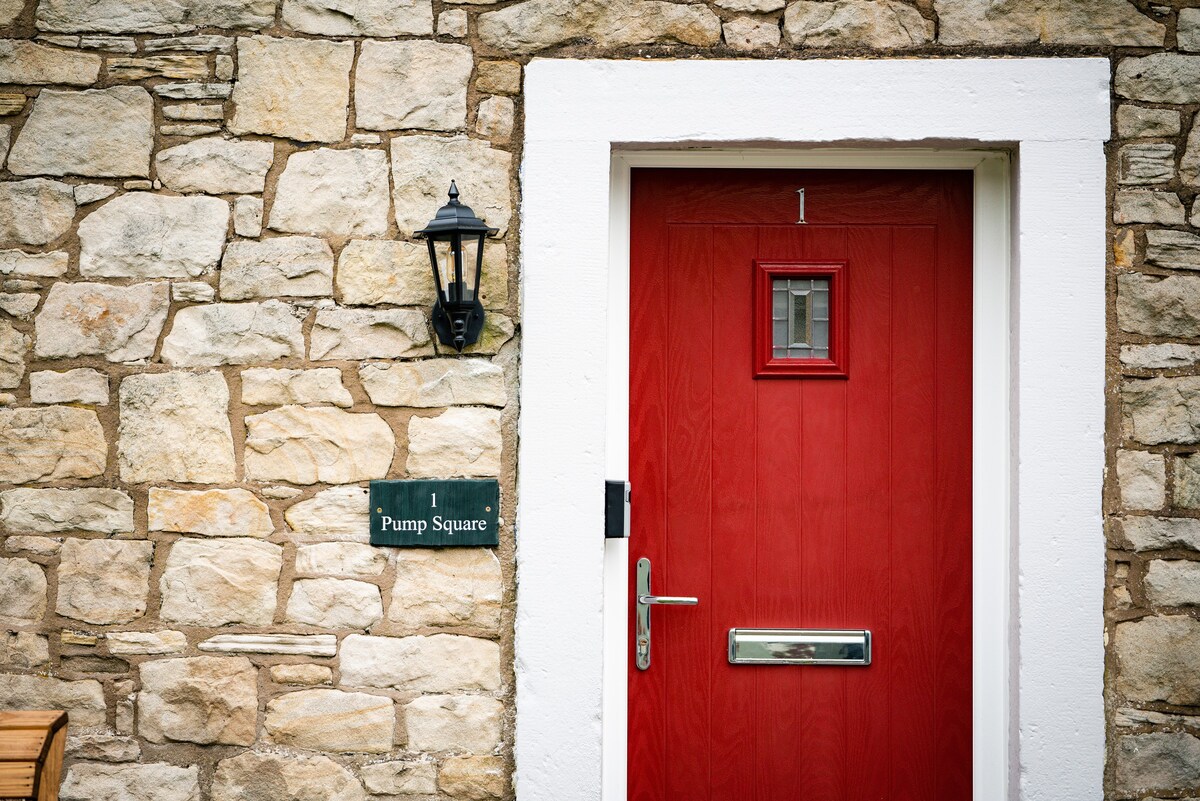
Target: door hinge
616 510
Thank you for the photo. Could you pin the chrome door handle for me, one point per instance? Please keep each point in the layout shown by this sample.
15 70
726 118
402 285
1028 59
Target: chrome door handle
645 599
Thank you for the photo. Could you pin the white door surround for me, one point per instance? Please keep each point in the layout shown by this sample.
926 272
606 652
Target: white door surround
1039 374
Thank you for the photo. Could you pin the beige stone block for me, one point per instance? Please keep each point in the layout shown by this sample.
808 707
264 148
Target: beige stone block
335 603
458 442
1160 410
300 266
81 385
248 216
233 333
498 77
82 700
125 643
1159 760
36 211
434 382
1095 23
22 591
495 118
356 334
33 265
446 588
452 23
49 511
255 776
332 720
10 10
474 778
1173 583
294 644
339 513
401 777
265 386
538 24
1159 659
1159 78
412 84
1158 533
1187 481
13 347
1145 206
752 6
19 304
104 581
497 330
184 67
751 33
216 166
1169 354
306 675
23 650
1189 165
360 17
24 62
436 663
1136 121
201 699
856 23
371 272
50 444
212 583
292 88
1146 164
157 781
453 723
120 323
103 747
1156 306
145 235
423 167
1142 479
194 112
151 16
1175 250
304 445
332 193
39 544
86 194
214 513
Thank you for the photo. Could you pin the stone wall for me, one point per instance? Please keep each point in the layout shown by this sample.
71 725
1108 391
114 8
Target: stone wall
213 332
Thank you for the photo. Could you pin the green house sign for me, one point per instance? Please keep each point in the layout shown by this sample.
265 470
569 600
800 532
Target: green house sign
435 514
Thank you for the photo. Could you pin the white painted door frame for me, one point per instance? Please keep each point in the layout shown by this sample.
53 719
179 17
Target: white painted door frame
1039 374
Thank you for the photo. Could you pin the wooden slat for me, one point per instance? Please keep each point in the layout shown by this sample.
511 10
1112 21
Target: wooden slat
16 779
34 719
22 745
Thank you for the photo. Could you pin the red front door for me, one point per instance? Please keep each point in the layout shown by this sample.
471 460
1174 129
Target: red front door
801 501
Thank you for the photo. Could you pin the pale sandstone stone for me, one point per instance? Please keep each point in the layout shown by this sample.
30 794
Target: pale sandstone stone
175 427
81 385
145 642
144 235
36 211
280 492
194 91
293 88
1144 164
1141 206
340 559
49 511
214 513
413 84
1173 583
1166 355
156 781
1158 306
458 442
291 644
1128 716
265 386
192 292
233 333
247 216
437 663
1142 478
452 23
1159 659
447 587
856 23
50 444
1187 481
1158 533
1159 78
473 778
288 265
96 132
13 347
304 675
335 603
453 723
256 776
363 139
10 10
40 544
332 720
1187 29
69 637
212 583
1157 760
149 16
495 118
1189 165
5 142
194 112
497 330
86 194
1176 250
22 591
82 700
538 24
223 67
1158 410
24 62
434 382
423 166
1137 121
200 699
751 6
360 17
303 445
400 778
19 304
339 513
120 323
35 265
23 650
751 33
188 67
357 334
498 77
188 130
103 747
332 192
1097 22
216 166
373 271
104 581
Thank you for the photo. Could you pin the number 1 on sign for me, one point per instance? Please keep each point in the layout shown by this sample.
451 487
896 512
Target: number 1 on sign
433 495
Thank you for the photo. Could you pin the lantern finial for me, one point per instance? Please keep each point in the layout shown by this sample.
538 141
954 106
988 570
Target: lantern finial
453 193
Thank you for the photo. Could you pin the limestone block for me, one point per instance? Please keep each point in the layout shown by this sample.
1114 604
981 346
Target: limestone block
1187 29
1187 481
501 77
423 166
33 265
1163 761
104 581
1176 250
1189 165
10 10
189 67
256 776
212 583
22 591
495 118
335 603
458 442
1142 479
200 44
151 16
247 216
1146 164
292 88
194 91
81 385
1141 206
412 84
1167 355
86 194
1158 533
13 347
143 235
303 445
233 333
400 778
1159 659
453 723
96 132
288 265
356 334
200 699
103 748
82 700
453 23
194 112
1157 306
332 193
360 17
24 62
752 6
175 427
214 513
437 663
265 386
216 166
19 304
1173 583
856 23
50 444
434 382
305 675
1097 22
49 511
1159 78
1158 410
35 212
497 330
373 271
474 778
120 323
292 644
157 781
751 33
339 513
124 643
447 587
23 650
538 24
39 544
332 720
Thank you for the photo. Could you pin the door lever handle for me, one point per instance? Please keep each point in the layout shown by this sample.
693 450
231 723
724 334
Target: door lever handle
668 600
645 600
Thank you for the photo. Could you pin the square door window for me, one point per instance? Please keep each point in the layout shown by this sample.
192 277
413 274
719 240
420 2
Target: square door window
799 319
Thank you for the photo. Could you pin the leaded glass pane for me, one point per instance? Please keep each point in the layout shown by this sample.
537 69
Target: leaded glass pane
800 318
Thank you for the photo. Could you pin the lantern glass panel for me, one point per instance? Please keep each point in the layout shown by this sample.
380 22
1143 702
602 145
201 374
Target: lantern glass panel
470 264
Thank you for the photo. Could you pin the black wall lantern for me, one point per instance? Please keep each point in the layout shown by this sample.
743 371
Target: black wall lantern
455 238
